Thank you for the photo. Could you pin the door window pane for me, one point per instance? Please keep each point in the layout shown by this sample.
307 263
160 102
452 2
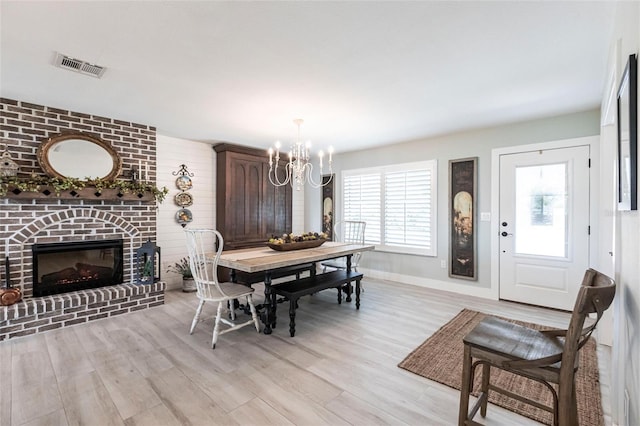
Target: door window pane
541 210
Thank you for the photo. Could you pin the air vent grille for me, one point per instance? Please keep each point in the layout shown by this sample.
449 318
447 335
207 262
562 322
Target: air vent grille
77 65
70 63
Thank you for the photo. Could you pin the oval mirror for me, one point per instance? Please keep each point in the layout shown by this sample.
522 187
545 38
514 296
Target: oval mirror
80 156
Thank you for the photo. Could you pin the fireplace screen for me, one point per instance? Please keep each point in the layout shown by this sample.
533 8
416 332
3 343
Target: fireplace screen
65 267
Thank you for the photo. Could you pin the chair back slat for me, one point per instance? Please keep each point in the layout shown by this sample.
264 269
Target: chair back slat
595 296
204 247
351 231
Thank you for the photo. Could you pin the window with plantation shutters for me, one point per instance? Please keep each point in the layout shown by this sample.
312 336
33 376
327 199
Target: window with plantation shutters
398 203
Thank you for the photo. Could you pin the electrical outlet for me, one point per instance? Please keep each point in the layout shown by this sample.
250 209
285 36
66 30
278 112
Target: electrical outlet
443 264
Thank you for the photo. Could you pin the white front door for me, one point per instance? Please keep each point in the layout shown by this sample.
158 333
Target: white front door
544 225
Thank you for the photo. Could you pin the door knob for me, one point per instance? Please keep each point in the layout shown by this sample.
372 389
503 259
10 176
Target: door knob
504 233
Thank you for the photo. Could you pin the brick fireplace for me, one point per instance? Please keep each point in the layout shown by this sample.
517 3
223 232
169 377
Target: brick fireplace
28 222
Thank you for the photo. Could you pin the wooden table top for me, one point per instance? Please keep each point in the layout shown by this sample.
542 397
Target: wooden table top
263 258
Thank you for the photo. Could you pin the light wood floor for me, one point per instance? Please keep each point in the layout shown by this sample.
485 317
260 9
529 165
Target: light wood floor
341 368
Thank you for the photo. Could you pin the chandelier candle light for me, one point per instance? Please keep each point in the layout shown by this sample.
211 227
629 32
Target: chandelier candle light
299 168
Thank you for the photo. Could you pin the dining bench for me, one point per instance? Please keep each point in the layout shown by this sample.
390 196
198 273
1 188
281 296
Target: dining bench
293 290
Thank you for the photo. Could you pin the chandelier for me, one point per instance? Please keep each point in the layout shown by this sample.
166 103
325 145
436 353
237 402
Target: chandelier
298 169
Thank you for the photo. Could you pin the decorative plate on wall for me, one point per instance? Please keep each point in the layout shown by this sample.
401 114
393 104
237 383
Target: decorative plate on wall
184 199
184 183
184 216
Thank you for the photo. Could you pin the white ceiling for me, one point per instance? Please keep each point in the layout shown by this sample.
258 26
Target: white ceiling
360 73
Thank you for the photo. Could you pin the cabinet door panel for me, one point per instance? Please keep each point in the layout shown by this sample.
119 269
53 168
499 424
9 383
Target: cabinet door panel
276 208
245 199
249 208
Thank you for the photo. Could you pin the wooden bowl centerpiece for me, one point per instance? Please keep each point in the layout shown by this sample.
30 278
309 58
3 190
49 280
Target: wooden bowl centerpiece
297 242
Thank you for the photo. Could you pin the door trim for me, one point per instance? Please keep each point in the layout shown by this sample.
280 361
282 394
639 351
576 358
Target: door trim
591 141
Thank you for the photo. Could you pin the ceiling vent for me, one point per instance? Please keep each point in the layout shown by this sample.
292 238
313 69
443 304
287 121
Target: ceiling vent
79 66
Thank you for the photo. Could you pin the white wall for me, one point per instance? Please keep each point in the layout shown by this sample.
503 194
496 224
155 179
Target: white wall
626 310
200 160
426 271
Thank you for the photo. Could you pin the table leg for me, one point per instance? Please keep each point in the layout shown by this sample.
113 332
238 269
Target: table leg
293 304
348 285
274 305
268 316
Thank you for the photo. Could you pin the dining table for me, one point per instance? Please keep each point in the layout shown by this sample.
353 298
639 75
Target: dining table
267 260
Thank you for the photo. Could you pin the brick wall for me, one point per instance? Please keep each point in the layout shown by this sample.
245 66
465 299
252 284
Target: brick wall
23 127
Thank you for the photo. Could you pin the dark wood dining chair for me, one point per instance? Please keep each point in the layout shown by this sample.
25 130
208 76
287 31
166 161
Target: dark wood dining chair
548 357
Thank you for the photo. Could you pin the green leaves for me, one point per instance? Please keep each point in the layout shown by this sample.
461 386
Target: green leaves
33 183
181 267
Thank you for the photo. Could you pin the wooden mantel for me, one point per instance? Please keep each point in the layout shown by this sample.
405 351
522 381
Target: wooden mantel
87 193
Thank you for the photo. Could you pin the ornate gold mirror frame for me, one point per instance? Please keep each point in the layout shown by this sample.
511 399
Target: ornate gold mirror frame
79 155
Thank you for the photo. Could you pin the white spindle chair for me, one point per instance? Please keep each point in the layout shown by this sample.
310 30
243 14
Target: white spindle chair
204 264
347 231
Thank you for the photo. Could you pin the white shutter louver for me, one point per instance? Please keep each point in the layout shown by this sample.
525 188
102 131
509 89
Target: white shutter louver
407 208
361 199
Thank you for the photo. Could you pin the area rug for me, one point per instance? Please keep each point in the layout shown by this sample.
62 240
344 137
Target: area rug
439 358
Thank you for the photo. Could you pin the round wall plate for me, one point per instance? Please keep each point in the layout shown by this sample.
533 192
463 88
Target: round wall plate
184 199
184 216
184 183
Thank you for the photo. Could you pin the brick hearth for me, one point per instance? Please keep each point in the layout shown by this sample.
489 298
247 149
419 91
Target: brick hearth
38 314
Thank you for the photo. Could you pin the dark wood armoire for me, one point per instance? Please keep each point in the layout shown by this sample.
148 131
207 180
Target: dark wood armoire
249 209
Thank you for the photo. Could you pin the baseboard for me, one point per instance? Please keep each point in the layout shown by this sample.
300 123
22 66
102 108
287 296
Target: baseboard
450 286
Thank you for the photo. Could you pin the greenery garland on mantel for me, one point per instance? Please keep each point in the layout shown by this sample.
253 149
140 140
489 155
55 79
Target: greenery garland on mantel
34 183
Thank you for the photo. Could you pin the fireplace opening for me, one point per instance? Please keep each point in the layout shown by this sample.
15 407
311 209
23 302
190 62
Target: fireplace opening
64 267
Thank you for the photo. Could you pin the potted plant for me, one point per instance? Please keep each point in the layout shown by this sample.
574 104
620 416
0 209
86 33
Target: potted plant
183 268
